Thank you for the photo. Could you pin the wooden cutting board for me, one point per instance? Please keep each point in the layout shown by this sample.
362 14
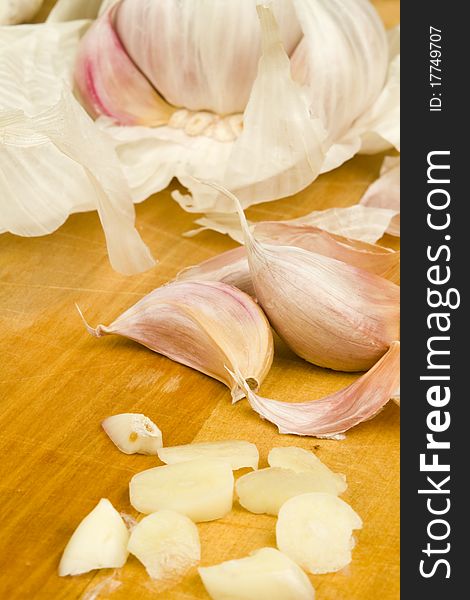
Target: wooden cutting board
57 383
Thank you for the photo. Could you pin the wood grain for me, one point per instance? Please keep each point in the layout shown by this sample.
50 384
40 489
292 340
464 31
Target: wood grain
57 384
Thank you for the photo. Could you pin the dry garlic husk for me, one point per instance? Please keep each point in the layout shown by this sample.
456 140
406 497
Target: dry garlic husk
384 192
315 530
238 453
232 267
304 461
330 313
266 490
204 325
331 416
201 489
167 544
266 573
133 433
99 542
18 11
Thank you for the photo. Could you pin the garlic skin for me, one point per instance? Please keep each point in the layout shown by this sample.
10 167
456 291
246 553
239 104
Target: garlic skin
238 453
133 433
13 12
328 312
99 542
201 489
315 530
204 325
331 416
384 192
265 573
167 544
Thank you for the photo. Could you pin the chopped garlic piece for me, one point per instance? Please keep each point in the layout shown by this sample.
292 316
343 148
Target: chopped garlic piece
266 490
238 453
167 544
315 530
300 460
99 542
266 573
201 489
133 433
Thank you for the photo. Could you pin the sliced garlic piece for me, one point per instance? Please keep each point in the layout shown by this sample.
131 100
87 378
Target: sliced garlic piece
266 490
133 433
99 542
238 453
167 544
301 461
315 530
266 573
201 489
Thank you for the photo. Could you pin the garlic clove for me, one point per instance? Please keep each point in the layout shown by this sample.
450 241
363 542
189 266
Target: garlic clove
328 312
238 453
194 65
204 325
331 416
167 544
304 461
315 530
99 542
110 84
266 573
266 490
133 433
201 489
384 192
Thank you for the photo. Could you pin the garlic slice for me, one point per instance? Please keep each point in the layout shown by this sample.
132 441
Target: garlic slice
201 489
204 325
133 433
99 542
167 544
328 312
315 530
384 192
331 416
303 461
266 573
238 453
266 490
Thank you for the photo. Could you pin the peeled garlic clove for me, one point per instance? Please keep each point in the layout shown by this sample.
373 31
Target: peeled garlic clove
110 84
303 461
315 530
99 542
133 433
266 490
201 489
204 325
238 453
167 544
332 415
328 312
266 573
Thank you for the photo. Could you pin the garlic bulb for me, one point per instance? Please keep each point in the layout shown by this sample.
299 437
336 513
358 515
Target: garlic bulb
208 326
328 312
18 11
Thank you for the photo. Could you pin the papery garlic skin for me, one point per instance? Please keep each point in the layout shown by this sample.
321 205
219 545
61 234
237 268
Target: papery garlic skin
238 453
204 325
315 530
265 573
266 490
167 544
304 461
201 489
99 542
384 192
13 12
133 433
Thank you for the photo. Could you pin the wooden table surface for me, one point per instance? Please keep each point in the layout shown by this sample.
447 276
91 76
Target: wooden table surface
57 384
